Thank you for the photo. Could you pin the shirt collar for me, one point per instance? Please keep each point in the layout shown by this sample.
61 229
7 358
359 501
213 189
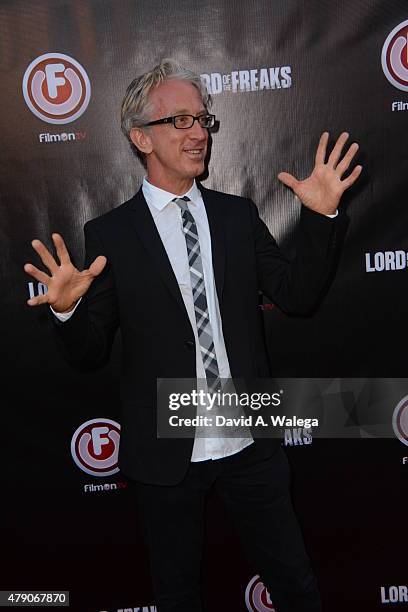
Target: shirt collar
159 198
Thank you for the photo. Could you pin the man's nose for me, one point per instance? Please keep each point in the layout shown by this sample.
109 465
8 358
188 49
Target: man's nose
197 131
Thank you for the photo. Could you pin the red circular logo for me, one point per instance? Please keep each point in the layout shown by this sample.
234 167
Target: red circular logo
400 420
56 88
394 56
95 447
257 598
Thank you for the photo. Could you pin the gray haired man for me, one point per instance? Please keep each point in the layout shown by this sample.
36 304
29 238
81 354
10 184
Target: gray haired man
197 259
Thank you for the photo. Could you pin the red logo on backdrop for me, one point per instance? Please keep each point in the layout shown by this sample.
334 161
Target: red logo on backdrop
400 420
257 598
56 88
394 56
95 447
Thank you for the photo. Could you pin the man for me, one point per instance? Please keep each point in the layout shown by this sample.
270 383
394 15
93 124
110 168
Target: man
178 268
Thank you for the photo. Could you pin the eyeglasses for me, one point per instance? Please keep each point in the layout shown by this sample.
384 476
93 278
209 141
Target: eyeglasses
184 122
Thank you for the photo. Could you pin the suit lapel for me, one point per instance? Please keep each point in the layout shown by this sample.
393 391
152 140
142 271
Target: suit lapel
216 219
146 229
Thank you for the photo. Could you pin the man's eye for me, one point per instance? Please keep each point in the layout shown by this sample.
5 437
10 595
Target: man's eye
183 120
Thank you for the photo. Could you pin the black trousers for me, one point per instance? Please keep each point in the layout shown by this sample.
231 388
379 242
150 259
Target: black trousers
256 493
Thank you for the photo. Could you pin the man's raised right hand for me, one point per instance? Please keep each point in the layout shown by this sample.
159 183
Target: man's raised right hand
66 285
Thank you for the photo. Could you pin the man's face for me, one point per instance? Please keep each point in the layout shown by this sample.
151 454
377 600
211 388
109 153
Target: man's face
177 156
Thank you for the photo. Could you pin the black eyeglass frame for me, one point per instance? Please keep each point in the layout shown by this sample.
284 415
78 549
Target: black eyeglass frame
173 121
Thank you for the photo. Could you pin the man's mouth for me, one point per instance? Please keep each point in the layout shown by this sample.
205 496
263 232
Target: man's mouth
194 152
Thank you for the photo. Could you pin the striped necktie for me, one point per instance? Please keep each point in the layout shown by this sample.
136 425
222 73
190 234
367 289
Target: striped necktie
205 336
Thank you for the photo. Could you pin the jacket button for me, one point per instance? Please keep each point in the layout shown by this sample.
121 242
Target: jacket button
189 344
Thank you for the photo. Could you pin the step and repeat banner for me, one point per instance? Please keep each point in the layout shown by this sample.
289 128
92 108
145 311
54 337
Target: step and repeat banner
280 73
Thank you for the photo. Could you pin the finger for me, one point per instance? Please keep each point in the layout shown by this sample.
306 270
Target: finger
352 178
337 149
45 255
39 299
42 277
288 179
322 148
345 162
61 249
97 265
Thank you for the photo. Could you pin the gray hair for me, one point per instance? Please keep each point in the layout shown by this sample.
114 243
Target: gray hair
136 109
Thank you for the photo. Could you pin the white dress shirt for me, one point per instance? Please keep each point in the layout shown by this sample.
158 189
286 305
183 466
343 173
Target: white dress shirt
167 218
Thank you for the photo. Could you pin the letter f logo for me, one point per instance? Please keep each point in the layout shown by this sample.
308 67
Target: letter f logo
56 88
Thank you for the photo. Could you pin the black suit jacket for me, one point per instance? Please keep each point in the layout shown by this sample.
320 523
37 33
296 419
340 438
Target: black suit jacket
138 291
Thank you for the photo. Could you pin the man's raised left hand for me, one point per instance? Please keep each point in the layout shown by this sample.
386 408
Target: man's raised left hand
322 190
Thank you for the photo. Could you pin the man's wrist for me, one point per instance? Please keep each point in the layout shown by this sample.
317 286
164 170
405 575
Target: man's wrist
68 310
331 215
67 314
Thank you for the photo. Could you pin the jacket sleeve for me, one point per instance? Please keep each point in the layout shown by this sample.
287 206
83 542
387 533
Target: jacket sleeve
86 338
297 286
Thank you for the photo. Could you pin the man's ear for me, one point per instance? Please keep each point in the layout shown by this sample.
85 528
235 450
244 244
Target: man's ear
141 140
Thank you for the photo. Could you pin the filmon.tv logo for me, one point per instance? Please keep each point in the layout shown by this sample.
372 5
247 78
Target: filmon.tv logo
394 56
400 420
95 447
56 88
257 598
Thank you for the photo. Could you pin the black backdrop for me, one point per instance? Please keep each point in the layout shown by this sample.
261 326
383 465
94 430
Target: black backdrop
321 60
